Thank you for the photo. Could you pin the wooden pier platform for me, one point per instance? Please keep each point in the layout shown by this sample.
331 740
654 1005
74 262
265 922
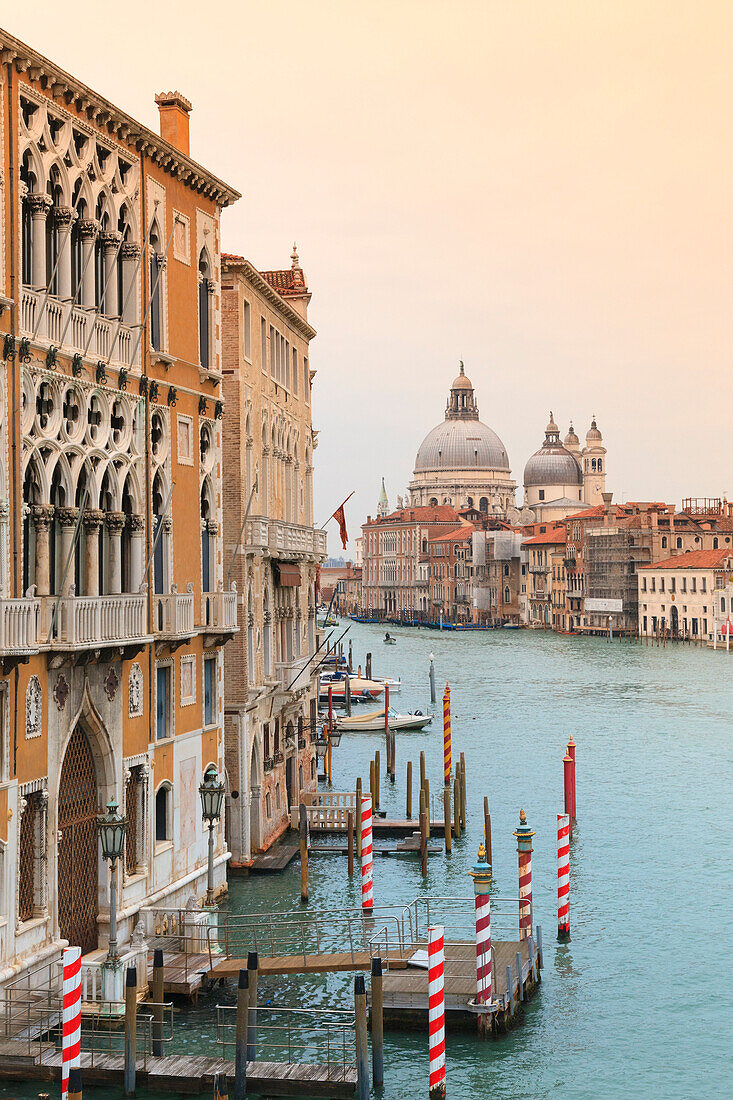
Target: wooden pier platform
191 1074
302 964
183 974
276 858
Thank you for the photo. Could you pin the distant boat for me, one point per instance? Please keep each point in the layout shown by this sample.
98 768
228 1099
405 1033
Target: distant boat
389 640
374 721
330 620
360 688
510 626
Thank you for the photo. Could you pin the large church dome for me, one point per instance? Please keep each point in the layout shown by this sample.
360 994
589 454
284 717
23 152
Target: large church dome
553 464
461 441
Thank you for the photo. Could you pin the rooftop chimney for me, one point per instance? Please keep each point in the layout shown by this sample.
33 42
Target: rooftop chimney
174 111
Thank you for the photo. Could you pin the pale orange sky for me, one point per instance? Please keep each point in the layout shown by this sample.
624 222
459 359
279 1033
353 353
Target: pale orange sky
541 189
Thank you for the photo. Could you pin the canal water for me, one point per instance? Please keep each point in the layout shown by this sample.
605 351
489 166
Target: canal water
638 1003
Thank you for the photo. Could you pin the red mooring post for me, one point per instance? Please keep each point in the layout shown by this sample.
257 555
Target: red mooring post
386 715
524 835
563 877
568 783
571 754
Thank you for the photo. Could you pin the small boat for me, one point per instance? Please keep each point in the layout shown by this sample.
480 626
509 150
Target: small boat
510 626
360 688
374 721
390 682
330 620
389 639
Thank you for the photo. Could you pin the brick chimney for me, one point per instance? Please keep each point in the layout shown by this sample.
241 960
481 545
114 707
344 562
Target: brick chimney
174 111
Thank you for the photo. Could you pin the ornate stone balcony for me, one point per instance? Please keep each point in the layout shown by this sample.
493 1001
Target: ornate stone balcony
289 671
75 328
173 617
219 612
92 622
19 625
284 539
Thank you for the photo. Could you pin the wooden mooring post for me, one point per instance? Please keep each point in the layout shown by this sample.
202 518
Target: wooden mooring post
350 842
377 1024
446 820
128 1083
426 788
422 768
409 789
487 831
457 807
240 1050
372 787
463 789
377 765
221 1087
158 995
252 968
360 1018
74 1084
303 837
423 835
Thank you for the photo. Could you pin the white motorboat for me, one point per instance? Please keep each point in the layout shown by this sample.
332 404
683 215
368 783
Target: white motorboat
374 721
360 688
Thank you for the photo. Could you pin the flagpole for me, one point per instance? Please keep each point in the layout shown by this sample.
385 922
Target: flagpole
323 526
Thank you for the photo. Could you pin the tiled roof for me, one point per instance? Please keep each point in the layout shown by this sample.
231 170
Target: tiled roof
693 559
460 534
286 283
589 513
555 535
438 513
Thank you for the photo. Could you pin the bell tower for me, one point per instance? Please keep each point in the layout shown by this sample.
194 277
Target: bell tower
594 466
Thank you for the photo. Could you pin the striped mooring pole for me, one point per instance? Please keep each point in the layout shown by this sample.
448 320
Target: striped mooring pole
436 1012
524 835
481 875
446 736
563 877
71 1012
367 886
571 754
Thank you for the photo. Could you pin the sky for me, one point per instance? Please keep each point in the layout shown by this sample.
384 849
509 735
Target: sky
542 190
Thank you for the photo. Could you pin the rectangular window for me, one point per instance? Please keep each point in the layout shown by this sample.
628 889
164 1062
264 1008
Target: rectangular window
210 691
703 584
263 344
163 703
295 371
247 329
306 381
273 353
287 363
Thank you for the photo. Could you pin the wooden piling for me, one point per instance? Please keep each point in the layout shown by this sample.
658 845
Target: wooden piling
221 1087
510 989
368 666
360 1020
74 1084
329 760
393 746
377 1024
463 789
487 831
347 694
252 968
240 1051
128 1083
377 765
423 835
409 789
422 768
358 818
521 988
303 831
372 788
426 788
158 995
457 808
446 820
350 831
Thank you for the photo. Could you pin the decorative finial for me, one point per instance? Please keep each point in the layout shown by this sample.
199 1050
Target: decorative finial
461 365
295 262
522 817
481 853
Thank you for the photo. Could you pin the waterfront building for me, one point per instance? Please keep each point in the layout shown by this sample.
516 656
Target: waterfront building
677 595
498 576
112 608
462 462
269 446
450 574
723 610
393 584
542 550
559 476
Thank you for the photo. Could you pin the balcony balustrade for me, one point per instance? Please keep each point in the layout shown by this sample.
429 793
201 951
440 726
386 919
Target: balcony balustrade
84 327
219 611
173 614
294 672
19 624
284 538
87 622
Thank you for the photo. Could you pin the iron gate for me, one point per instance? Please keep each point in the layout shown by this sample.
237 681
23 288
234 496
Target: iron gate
78 846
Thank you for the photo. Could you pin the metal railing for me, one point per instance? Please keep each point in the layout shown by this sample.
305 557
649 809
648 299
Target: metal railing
293 1036
187 936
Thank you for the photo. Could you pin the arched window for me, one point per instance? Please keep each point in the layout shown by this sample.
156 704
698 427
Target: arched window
266 633
156 263
664 542
77 258
715 544
28 177
163 821
53 188
483 505
207 538
507 595
160 558
204 309
679 543
600 465
268 805
99 278
433 502
593 464
470 502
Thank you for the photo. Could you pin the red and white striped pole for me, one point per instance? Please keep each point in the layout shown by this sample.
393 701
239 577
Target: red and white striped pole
563 877
436 1011
524 835
571 754
567 764
367 886
71 1010
446 736
481 875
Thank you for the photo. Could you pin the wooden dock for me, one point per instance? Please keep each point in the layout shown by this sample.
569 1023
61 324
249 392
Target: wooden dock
303 964
405 847
189 1074
183 974
276 858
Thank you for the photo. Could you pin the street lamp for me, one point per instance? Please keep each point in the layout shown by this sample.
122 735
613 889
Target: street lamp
212 796
112 827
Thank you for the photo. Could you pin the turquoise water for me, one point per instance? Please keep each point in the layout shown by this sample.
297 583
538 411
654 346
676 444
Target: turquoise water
638 1002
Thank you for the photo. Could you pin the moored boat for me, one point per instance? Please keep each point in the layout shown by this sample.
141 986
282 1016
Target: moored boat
374 721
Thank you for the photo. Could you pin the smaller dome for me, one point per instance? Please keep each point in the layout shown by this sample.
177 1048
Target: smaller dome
461 382
593 434
571 439
552 426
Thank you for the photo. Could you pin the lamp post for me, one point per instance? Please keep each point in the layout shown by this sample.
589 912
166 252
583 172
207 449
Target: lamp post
212 796
112 828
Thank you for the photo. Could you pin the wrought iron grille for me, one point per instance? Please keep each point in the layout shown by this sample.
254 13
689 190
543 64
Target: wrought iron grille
79 846
132 810
27 861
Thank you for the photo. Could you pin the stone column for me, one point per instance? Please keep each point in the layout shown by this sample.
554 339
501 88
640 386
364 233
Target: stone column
129 255
67 518
136 524
92 522
115 523
64 218
110 245
40 206
88 232
42 519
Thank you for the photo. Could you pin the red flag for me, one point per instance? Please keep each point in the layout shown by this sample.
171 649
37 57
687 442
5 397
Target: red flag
340 516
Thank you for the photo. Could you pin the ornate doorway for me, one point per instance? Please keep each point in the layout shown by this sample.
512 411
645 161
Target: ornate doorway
78 847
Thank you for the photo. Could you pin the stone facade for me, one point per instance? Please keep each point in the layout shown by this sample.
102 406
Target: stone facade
272 549
111 586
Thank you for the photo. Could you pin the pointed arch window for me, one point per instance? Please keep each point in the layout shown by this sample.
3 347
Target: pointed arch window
205 287
156 263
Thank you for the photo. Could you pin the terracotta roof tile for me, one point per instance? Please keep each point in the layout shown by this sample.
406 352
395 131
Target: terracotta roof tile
287 283
693 559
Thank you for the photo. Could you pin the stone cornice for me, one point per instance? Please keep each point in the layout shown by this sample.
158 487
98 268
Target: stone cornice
261 285
69 90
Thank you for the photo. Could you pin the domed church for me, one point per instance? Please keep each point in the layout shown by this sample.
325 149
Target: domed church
462 462
560 479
